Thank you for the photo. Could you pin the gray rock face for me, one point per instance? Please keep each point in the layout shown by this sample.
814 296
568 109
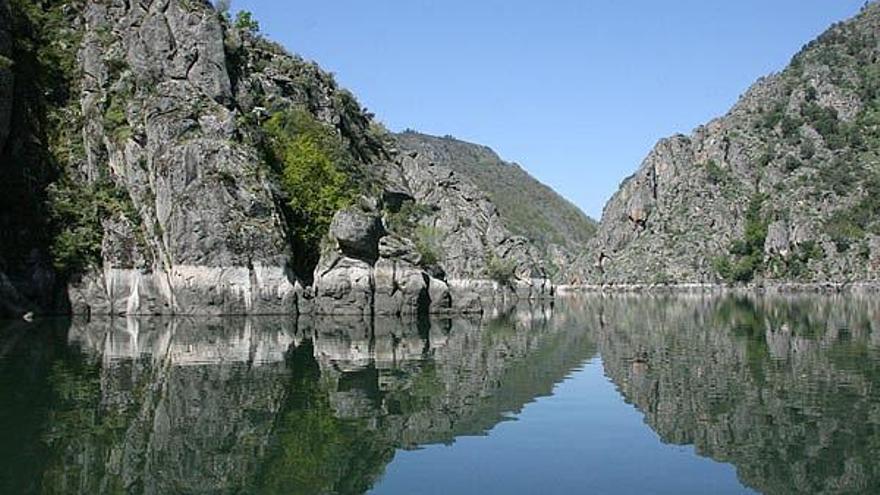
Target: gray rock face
215 241
402 286
357 232
645 231
797 148
777 242
557 228
344 277
455 223
171 101
212 242
364 274
343 285
468 234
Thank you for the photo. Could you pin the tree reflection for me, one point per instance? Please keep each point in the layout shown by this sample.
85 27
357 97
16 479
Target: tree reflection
314 451
260 405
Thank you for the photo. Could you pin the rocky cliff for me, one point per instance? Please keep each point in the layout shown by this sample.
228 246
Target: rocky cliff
178 162
527 207
782 188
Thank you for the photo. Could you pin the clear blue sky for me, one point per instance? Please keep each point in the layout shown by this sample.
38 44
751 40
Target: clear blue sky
576 91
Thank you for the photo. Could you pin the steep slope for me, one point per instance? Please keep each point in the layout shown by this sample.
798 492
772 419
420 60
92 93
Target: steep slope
186 164
784 187
527 207
459 233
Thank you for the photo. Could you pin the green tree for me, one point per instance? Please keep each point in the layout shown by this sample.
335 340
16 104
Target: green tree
245 21
746 254
501 270
313 162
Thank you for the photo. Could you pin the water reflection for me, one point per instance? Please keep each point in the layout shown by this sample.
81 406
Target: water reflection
264 405
784 389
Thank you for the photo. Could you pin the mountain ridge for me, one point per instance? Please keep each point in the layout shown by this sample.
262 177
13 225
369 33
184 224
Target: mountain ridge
528 207
777 190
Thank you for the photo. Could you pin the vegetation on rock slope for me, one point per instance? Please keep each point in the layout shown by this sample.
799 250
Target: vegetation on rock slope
320 145
527 207
41 55
47 129
312 159
807 140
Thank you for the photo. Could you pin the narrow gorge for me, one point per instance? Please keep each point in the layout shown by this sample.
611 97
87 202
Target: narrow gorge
165 158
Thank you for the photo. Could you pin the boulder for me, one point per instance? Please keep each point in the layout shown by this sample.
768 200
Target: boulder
357 232
401 284
401 288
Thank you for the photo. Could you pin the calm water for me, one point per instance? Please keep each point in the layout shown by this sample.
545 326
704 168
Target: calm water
595 395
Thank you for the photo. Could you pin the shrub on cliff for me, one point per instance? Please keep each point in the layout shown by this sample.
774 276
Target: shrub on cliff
79 211
746 254
429 245
244 21
312 161
501 270
405 219
850 224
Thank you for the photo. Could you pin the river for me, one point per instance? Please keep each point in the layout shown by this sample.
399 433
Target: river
595 394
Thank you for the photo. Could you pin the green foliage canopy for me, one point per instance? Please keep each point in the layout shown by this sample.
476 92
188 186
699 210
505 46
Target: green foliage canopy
747 254
501 270
313 163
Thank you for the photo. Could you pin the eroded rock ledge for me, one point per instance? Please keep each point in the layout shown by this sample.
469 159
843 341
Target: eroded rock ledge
363 270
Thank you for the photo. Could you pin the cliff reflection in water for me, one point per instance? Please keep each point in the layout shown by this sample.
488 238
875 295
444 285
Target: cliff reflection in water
260 405
785 389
